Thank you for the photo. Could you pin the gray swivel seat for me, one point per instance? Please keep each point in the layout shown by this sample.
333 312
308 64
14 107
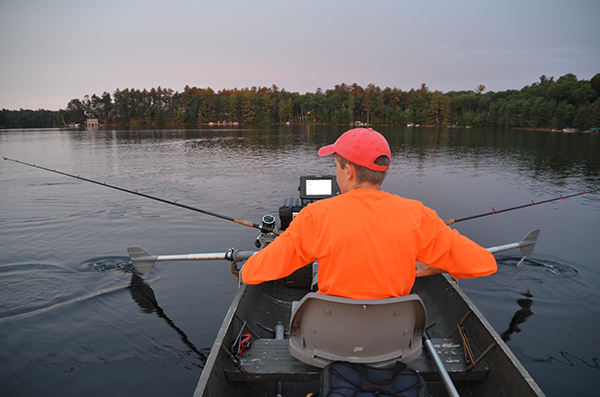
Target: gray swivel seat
375 332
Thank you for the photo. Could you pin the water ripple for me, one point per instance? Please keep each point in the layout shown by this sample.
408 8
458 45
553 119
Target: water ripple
549 279
32 288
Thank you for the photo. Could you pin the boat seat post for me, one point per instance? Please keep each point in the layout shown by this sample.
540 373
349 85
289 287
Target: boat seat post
279 331
375 332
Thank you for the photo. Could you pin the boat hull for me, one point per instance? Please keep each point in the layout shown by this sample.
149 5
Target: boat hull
263 306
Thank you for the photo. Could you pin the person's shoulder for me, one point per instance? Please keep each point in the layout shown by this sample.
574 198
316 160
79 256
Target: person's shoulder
327 202
371 194
403 203
397 198
317 208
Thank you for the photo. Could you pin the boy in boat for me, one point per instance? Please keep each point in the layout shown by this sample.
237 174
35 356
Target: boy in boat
369 244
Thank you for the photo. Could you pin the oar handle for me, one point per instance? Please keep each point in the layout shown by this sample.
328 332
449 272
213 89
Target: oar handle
501 248
192 257
526 245
143 261
452 392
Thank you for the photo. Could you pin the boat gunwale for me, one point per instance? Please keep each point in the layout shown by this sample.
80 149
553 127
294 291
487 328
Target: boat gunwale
494 334
215 351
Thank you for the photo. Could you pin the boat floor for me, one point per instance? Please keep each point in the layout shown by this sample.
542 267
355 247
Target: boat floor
269 360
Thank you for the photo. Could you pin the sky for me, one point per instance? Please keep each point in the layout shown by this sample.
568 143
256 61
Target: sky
52 51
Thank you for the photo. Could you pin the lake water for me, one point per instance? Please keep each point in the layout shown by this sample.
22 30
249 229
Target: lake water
75 319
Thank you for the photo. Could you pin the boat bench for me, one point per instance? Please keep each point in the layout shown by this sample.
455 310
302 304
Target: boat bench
269 360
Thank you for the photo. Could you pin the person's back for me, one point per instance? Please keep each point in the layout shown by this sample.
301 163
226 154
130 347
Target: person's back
367 241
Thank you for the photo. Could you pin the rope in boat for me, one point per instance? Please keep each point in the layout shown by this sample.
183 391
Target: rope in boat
469 356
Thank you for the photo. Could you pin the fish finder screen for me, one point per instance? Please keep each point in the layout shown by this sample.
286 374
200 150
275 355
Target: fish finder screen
319 187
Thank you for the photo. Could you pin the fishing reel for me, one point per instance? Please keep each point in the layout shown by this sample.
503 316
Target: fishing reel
269 231
312 188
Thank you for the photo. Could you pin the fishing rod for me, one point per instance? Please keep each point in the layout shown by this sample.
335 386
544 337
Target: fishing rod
263 228
269 227
453 221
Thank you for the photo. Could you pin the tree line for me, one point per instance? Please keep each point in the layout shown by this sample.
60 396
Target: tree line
29 118
566 102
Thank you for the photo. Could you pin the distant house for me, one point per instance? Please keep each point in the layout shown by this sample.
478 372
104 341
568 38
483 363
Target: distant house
91 123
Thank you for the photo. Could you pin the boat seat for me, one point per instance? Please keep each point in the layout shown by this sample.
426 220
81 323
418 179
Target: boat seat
375 332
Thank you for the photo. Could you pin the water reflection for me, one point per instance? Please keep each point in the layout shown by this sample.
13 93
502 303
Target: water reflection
545 155
570 360
519 317
143 295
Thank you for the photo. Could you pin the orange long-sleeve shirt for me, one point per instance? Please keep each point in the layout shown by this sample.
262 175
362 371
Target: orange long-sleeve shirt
366 242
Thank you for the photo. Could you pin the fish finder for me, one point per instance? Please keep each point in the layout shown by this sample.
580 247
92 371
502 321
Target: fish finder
318 187
312 188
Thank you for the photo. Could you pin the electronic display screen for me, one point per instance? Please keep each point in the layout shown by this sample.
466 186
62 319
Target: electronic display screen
318 187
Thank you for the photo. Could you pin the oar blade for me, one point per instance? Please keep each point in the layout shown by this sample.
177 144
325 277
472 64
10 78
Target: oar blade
142 260
528 243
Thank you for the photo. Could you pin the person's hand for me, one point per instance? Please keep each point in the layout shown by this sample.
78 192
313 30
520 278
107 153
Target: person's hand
423 270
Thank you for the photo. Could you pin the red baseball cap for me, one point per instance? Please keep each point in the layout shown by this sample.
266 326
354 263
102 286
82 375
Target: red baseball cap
360 146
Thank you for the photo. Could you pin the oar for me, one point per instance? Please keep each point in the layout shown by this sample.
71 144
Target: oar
263 227
452 392
526 245
143 261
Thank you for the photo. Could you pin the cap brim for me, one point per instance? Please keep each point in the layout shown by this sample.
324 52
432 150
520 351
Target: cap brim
326 150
